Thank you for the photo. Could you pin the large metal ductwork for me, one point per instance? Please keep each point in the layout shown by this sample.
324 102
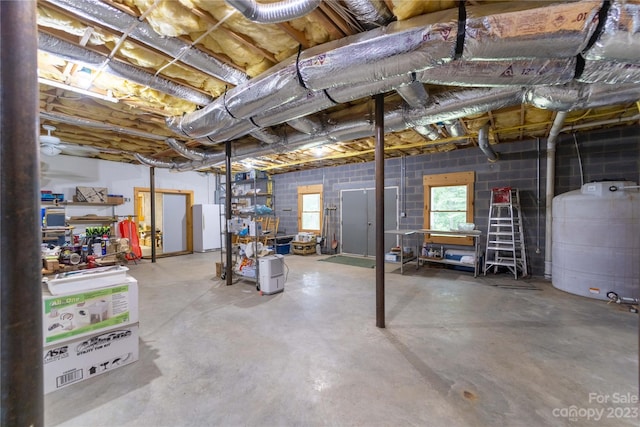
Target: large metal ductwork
512 30
525 72
399 48
577 96
367 58
613 73
110 17
306 125
440 108
79 121
414 94
454 105
370 13
184 151
272 13
614 56
265 136
424 45
455 128
620 36
82 56
402 56
428 132
483 143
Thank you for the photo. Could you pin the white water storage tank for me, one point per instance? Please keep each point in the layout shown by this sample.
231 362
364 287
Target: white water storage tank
596 240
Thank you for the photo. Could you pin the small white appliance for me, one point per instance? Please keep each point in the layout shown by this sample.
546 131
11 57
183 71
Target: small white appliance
271 274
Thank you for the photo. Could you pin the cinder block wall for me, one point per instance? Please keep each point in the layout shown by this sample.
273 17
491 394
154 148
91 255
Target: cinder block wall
604 155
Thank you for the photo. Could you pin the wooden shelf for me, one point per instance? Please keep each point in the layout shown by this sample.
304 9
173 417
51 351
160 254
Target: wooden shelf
88 204
91 220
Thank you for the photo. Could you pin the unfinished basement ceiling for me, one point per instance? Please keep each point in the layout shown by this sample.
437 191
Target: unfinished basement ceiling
176 79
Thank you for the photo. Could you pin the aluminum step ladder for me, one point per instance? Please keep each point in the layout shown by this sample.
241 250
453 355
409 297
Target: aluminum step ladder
505 237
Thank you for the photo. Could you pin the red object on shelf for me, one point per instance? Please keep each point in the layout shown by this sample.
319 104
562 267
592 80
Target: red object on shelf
501 194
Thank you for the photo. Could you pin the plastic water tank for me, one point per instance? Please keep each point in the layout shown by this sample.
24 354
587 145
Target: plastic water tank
596 240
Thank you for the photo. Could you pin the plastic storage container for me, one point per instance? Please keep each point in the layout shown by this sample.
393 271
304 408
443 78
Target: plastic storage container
596 240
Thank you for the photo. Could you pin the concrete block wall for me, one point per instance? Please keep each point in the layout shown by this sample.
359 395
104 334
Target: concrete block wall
610 154
521 165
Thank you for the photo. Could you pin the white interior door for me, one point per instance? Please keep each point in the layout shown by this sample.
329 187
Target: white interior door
174 223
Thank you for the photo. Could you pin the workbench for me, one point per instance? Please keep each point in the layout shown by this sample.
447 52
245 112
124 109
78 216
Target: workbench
420 259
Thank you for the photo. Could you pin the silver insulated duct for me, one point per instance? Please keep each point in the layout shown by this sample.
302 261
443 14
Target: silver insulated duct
506 46
79 55
400 48
184 151
525 72
576 96
440 108
423 45
619 39
455 128
368 58
110 17
370 13
483 143
272 13
614 58
517 30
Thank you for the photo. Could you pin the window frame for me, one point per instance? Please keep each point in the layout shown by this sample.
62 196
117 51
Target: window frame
448 180
306 190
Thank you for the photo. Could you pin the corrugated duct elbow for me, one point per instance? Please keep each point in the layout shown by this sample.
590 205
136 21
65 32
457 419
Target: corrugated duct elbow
272 13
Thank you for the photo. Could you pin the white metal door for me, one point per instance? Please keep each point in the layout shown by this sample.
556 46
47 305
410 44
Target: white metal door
174 223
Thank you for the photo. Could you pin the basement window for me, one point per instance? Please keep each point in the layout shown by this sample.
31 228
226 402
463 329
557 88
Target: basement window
310 208
448 201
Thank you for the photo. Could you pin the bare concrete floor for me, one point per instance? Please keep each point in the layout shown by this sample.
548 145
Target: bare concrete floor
457 351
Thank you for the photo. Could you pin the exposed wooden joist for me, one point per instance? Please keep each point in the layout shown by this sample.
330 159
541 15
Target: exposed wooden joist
298 36
334 31
389 4
240 38
337 19
493 126
122 7
522 113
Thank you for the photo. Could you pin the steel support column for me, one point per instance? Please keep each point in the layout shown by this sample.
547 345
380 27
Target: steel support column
227 214
20 258
379 162
152 201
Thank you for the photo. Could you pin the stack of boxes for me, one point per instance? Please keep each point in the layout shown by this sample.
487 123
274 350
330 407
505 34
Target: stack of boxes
90 325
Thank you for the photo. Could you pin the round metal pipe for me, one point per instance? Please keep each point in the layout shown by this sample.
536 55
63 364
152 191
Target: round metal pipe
227 213
20 258
152 201
379 162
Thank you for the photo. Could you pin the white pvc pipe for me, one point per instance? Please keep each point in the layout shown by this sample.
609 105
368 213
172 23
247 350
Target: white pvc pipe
550 188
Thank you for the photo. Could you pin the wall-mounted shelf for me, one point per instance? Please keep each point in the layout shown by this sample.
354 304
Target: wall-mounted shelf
79 204
99 220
